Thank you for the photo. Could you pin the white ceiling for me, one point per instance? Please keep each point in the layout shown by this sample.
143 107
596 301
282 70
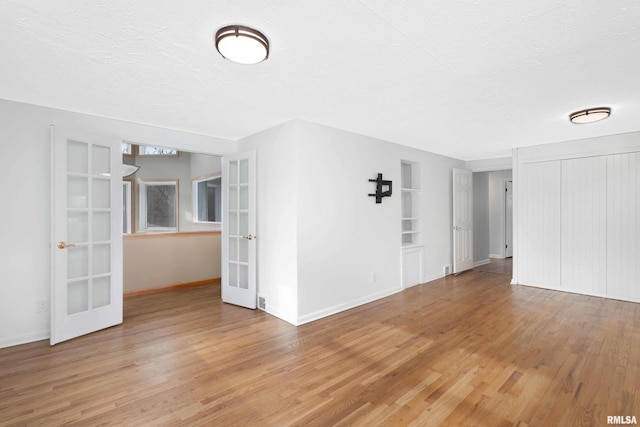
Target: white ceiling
466 78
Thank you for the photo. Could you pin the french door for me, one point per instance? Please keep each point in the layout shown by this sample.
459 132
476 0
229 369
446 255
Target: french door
86 234
462 220
238 229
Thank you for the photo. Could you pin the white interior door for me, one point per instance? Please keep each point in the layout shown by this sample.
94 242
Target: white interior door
462 220
86 234
238 229
508 216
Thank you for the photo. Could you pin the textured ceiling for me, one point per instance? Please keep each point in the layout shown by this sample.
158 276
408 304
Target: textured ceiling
469 79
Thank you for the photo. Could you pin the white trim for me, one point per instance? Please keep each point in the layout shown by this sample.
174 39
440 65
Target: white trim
435 277
282 315
497 256
23 339
515 177
587 147
482 262
195 200
52 234
490 165
343 307
127 189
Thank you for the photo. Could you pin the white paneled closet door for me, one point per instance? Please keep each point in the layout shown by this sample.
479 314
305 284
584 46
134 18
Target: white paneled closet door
584 225
539 231
623 232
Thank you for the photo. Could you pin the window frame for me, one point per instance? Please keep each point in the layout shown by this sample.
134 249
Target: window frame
140 151
142 205
131 149
194 198
127 189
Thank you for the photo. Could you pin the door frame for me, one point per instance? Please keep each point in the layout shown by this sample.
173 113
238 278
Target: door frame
508 251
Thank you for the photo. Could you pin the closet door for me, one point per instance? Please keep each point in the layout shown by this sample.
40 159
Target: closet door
623 226
584 225
539 230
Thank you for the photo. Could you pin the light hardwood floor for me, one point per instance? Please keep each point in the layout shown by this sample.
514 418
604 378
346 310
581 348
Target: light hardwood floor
466 350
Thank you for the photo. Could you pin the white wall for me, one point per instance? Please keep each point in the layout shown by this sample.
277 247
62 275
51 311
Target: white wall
204 165
24 191
324 267
497 218
481 218
168 259
320 237
343 235
277 218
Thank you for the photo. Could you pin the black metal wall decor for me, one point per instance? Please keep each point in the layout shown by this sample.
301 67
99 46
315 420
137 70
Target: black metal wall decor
380 192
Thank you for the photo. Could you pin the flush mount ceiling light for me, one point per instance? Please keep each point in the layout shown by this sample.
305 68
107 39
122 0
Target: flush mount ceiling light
590 115
243 45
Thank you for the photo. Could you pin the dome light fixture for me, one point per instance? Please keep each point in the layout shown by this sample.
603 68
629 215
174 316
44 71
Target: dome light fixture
241 44
590 115
128 170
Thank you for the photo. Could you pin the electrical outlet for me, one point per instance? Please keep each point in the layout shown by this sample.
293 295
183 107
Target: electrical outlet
373 277
447 270
43 306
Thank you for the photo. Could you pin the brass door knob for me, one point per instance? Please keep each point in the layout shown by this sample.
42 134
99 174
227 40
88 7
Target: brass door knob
64 245
249 237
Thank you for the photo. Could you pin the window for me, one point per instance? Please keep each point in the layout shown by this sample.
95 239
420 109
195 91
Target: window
127 149
126 207
148 150
207 199
158 205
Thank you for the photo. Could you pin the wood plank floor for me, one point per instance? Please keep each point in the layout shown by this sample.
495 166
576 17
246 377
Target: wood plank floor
465 350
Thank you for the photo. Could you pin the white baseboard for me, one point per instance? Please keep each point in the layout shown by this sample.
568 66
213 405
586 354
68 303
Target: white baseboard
434 277
345 306
23 339
481 262
500 256
274 311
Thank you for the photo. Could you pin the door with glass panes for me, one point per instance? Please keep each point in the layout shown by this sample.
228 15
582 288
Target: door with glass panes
238 229
86 237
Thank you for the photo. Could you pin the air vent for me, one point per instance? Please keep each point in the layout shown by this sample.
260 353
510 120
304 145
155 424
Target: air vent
262 303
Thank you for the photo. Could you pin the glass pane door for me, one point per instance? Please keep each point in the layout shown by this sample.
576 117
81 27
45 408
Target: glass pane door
238 228
88 239
238 239
86 177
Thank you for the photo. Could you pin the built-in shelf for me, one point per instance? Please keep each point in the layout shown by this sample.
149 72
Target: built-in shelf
410 199
410 229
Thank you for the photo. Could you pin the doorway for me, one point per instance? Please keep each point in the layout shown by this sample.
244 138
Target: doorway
174 240
508 215
493 226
